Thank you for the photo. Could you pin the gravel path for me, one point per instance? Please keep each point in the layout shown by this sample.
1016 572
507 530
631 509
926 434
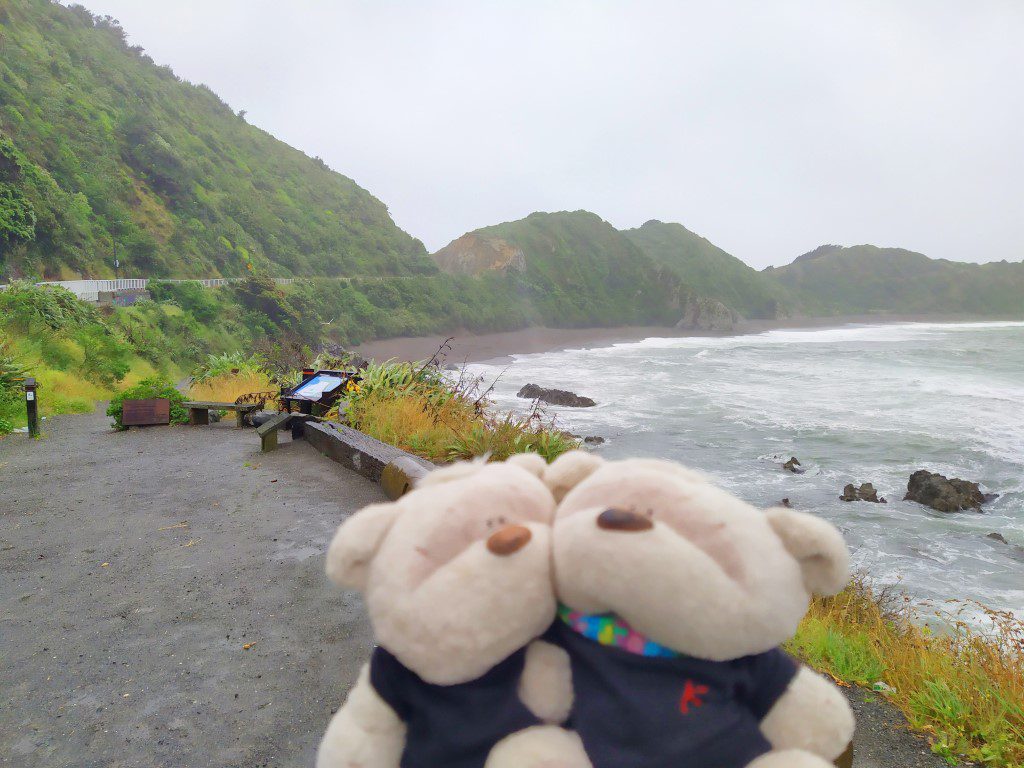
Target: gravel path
136 568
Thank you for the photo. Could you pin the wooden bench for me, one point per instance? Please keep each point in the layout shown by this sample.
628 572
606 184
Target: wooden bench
268 430
199 411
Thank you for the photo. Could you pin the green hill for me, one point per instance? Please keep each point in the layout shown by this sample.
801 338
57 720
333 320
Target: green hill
712 272
866 279
570 269
98 145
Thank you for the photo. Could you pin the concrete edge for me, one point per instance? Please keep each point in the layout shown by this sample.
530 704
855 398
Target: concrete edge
395 470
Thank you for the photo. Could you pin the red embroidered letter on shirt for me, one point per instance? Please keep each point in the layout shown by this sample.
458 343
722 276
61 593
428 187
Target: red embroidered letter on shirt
691 695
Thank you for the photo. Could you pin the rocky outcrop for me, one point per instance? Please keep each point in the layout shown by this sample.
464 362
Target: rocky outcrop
474 254
944 494
593 440
793 465
866 492
704 314
555 396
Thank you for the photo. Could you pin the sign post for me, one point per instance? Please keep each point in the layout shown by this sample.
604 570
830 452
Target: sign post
32 407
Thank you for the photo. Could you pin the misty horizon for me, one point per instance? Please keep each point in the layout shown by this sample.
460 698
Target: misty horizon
908 137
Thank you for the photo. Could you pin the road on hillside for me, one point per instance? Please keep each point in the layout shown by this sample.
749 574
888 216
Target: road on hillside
163 603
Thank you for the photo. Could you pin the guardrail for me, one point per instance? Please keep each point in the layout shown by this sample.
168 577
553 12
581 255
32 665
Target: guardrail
89 290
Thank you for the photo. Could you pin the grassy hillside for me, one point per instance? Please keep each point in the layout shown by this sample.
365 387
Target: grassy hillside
99 146
863 278
712 272
571 269
81 353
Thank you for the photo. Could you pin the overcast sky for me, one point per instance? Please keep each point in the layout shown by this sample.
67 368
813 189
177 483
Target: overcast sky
768 127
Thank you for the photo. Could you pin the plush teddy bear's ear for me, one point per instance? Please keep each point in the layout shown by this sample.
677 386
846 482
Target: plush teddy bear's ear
569 470
817 546
531 462
356 543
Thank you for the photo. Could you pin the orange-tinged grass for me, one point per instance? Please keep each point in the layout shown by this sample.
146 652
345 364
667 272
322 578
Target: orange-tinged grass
961 684
229 387
410 422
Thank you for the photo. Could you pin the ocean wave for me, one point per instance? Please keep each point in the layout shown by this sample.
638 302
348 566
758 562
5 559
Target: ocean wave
861 403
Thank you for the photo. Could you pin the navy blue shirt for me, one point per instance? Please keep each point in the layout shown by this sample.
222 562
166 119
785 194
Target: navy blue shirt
636 711
452 726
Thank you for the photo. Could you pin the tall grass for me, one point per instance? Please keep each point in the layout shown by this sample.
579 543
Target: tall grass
961 683
228 387
444 417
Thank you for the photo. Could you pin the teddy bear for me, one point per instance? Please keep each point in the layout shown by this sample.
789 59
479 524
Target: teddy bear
456 578
675 596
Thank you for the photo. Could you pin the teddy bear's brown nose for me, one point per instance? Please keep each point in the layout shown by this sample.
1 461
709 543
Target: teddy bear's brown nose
623 520
509 539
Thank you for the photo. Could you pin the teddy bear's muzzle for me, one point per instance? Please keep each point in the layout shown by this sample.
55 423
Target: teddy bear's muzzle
623 520
509 539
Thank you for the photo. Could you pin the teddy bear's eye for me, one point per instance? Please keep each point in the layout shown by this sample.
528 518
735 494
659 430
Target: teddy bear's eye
502 520
490 522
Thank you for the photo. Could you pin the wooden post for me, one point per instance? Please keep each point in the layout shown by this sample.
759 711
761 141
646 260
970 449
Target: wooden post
32 407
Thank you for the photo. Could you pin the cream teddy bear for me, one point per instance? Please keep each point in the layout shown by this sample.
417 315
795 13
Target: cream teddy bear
457 582
675 597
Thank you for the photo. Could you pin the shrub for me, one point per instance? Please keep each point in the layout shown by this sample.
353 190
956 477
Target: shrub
422 409
147 388
107 359
52 306
228 364
10 389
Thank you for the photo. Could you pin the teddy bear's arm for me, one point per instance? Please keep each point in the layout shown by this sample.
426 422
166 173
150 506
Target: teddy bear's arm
546 685
364 733
811 715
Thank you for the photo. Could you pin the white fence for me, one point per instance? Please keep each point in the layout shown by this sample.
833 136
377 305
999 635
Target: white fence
89 290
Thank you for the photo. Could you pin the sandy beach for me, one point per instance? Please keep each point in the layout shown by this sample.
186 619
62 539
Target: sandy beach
495 347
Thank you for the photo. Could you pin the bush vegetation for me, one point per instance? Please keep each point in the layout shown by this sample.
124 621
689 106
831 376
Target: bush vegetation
80 353
424 410
145 389
11 405
961 684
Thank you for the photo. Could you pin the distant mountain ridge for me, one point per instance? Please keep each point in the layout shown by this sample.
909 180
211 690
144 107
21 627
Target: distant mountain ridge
709 282
835 280
712 272
571 268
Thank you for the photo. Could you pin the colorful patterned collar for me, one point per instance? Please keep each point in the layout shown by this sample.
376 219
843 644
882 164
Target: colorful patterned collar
609 629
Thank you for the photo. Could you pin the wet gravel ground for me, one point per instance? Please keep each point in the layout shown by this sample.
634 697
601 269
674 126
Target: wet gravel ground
882 739
163 603
162 597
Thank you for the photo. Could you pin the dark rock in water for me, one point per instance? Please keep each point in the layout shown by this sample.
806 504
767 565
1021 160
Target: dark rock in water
593 440
997 537
793 465
944 494
866 492
555 396
786 502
